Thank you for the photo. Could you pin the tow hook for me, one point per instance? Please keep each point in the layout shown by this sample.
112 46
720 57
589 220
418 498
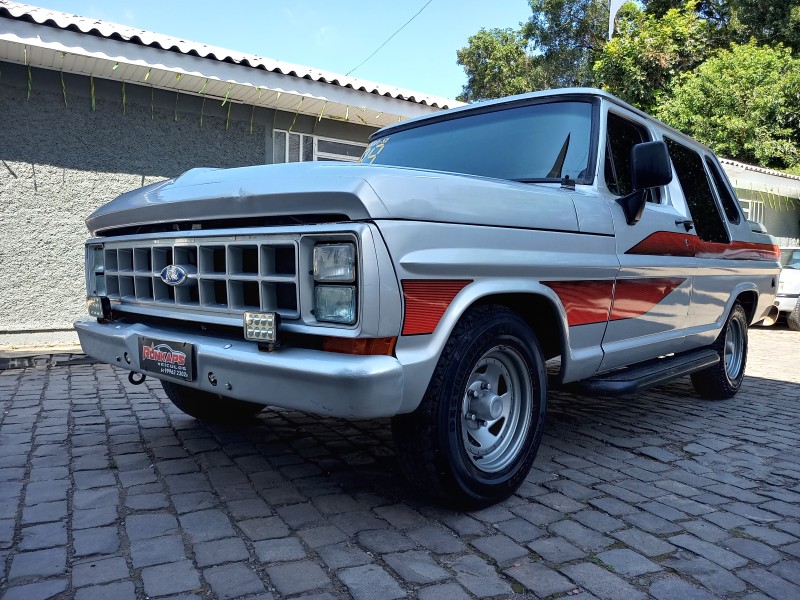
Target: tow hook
132 377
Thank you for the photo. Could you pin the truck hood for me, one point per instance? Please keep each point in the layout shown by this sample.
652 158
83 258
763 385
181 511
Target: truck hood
350 191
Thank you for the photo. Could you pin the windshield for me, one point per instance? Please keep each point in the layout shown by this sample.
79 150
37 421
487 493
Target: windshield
539 142
790 258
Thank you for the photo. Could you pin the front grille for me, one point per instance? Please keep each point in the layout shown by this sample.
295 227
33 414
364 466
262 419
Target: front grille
224 276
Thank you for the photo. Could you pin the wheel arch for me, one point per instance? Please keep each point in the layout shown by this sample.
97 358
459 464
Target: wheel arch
749 301
536 304
539 313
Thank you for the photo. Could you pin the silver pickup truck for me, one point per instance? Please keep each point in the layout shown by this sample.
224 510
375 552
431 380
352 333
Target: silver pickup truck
431 282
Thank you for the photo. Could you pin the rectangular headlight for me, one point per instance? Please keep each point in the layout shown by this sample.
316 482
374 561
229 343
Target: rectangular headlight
261 327
335 262
335 303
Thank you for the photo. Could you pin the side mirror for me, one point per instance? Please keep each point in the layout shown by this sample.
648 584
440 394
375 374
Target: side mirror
650 165
650 168
756 227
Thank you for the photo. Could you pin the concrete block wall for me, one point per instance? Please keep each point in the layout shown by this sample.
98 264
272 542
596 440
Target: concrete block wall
58 163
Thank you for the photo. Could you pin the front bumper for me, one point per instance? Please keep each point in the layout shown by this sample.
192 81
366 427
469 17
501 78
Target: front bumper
786 303
323 383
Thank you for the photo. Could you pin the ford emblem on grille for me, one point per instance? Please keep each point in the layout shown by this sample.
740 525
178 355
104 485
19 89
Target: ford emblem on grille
174 275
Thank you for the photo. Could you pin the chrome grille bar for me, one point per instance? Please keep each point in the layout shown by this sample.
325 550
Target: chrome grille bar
223 275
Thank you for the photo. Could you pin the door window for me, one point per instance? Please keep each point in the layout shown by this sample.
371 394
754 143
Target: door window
697 191
622 136
726 195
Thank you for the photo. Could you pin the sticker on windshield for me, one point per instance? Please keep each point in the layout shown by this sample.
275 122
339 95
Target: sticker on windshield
372 151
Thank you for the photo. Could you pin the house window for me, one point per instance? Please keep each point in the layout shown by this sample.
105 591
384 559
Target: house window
753 210
302 147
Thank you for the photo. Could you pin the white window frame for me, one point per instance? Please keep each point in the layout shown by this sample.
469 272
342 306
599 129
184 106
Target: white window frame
753 209
316 154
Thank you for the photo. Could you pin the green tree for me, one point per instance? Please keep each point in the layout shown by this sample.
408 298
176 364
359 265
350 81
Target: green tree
554 48
647 52
769 21
565 36
744 103
497 64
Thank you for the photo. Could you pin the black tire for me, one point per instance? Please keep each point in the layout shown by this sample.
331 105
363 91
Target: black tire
724 379
207 407
437 445
793 320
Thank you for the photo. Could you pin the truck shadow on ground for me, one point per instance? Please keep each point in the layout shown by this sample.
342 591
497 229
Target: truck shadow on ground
657 430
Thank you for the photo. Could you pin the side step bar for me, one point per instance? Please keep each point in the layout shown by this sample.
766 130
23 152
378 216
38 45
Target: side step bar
636 378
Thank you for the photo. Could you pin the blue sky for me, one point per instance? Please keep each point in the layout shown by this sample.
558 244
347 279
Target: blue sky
333 36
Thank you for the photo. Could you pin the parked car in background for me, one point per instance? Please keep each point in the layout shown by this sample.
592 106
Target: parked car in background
789 287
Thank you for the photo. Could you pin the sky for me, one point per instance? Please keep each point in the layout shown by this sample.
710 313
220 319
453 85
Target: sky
333 36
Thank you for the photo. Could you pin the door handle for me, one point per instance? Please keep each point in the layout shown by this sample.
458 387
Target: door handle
687 223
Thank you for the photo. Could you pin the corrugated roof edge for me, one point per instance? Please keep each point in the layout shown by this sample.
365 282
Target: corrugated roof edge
757 169
105 29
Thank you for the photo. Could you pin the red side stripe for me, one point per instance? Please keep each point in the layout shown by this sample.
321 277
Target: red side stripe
591 301
737 251
665 243
584 301
634 297
425 302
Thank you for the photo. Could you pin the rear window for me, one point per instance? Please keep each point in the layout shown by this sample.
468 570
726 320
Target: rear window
790 258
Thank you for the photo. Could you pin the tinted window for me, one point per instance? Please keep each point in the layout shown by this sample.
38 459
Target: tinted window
623 135
536 142
729 202
790 258
697 191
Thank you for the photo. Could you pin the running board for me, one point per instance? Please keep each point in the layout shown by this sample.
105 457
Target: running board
636 378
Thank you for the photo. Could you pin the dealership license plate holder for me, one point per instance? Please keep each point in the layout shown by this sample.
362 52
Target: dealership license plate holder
167 358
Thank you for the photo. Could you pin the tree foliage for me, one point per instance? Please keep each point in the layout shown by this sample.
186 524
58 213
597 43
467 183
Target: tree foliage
639 63
721 70
564 36
768 21
497 64
554 48
743 102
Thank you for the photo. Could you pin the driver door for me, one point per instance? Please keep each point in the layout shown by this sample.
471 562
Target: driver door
653 290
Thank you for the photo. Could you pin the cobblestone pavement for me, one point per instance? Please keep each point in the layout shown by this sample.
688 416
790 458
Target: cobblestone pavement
108 492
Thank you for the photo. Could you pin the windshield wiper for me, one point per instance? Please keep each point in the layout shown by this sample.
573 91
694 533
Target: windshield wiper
533 180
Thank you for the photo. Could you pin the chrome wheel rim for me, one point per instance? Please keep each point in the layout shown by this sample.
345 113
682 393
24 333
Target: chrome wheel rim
496 409
734 349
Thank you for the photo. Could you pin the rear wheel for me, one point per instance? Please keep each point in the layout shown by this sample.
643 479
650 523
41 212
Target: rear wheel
793 320
207 407
475 434
724 379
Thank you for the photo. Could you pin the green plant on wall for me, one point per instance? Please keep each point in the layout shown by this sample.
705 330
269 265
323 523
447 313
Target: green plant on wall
270 101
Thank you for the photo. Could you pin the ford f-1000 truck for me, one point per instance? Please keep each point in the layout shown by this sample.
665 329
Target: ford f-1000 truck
431 282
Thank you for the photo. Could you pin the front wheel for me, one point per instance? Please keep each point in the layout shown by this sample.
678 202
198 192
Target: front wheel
207 407
475 434
724 379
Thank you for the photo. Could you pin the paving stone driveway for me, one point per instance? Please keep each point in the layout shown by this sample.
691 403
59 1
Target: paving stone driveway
108 492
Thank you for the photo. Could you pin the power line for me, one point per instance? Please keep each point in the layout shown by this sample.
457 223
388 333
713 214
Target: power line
389 38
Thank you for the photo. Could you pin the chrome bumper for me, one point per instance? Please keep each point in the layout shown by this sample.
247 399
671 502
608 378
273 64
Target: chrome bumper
323 383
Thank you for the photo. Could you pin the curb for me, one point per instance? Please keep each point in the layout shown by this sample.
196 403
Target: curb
45 360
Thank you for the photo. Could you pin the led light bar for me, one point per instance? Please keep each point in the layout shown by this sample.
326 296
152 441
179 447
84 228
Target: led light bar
261 327
99 306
